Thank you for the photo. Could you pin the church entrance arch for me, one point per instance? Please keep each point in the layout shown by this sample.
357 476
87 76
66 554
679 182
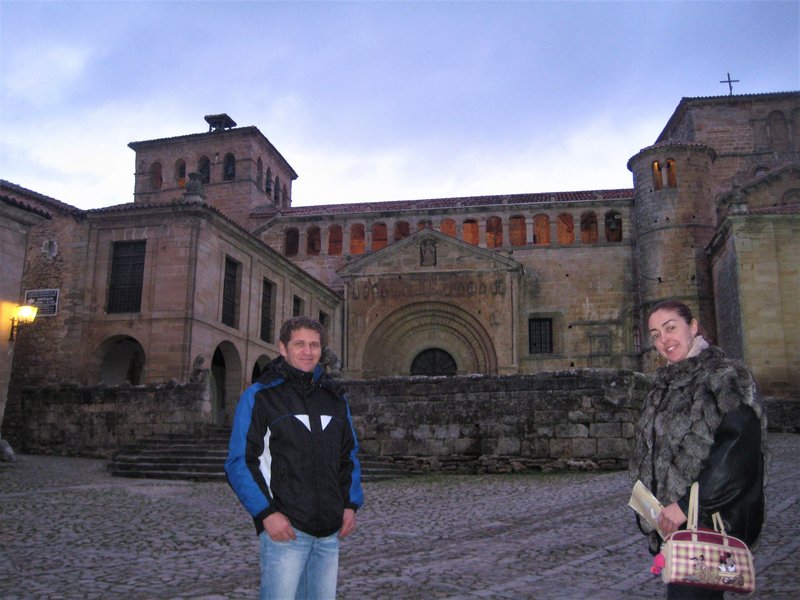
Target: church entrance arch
411 330
122 359
224 378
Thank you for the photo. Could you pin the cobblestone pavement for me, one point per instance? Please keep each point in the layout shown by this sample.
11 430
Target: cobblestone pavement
69 530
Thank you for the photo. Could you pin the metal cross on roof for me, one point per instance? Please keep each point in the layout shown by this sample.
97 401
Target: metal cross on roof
730 83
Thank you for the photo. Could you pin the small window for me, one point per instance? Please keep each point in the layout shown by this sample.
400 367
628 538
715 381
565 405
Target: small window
566 229
127 277
517 231
267 311
180 173
494 232
323 319
259 172
448 227
231 292
357 239
672 178
589 228
297 306
204 168
401 230
156 176
229 167
470 232
379 239
540 336
335 240
613 227
657 181
291 242
313 241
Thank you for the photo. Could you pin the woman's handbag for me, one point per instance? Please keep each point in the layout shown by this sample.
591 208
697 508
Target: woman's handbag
705 558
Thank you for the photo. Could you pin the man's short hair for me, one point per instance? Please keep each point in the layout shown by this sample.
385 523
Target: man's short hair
296 323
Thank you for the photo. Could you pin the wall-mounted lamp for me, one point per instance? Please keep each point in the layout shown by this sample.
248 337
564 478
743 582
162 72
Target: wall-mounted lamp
23 314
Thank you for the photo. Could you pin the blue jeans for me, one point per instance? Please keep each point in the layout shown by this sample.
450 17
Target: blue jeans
301 569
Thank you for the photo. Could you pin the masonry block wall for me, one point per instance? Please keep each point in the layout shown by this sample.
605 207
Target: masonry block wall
568 419
96 421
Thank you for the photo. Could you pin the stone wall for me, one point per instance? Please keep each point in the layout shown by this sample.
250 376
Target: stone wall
581 419
77 420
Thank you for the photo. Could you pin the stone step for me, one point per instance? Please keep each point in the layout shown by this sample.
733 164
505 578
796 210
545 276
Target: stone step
202 457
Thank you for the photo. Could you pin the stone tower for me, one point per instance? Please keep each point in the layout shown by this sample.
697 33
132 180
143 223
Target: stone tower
674 219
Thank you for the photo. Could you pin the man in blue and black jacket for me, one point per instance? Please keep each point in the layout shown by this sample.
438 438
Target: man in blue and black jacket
292 463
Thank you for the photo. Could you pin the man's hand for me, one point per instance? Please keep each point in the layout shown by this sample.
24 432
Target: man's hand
278 528
671 518
348 522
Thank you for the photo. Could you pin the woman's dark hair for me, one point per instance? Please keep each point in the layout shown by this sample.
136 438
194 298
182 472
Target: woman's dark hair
674 305
296 323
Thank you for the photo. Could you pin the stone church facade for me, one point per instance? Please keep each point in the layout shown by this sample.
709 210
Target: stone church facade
198 271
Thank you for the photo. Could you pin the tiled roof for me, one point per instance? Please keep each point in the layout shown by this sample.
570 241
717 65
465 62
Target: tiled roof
58 204
25 206
445 203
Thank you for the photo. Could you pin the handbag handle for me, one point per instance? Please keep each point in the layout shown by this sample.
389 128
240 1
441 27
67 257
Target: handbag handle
694 511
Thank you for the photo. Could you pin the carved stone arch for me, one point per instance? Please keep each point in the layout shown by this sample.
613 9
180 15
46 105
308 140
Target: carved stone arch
394 343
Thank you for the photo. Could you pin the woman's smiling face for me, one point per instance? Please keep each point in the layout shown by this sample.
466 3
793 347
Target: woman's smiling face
671 335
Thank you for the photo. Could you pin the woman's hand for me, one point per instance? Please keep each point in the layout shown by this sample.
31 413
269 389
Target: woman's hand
671 518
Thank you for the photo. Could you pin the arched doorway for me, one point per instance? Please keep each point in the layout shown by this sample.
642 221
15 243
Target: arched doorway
225 382
122 359
398 339
258 367
433 362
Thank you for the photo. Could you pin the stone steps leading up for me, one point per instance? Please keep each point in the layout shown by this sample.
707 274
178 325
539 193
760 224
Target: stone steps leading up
202 457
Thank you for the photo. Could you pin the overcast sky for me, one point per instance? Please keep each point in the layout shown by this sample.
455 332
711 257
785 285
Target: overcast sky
374 101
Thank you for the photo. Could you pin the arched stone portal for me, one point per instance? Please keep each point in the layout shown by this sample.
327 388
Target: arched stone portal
122 359
224 381
408 331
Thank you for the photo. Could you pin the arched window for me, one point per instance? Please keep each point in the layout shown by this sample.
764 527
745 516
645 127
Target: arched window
778 131
335 240
494 232
229 167
541 230
379 239
433 362
470 232
204 168
277 198
401 230
156 176
285 196
589 228
357 238
259 172
657 182
672 178
292 242
448 227
517 231
180 173
566 229
268 183
313 241
613 226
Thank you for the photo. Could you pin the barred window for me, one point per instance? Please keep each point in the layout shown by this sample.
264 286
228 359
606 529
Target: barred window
230 293
540 336
267 311
127 276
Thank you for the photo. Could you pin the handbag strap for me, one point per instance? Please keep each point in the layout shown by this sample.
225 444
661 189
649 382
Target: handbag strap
691 518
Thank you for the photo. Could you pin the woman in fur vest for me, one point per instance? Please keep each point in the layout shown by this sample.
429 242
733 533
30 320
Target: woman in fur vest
700 422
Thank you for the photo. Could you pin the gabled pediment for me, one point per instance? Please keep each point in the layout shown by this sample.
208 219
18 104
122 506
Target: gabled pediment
430 251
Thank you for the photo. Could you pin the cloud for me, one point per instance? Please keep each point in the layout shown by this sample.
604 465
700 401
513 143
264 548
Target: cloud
42 74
